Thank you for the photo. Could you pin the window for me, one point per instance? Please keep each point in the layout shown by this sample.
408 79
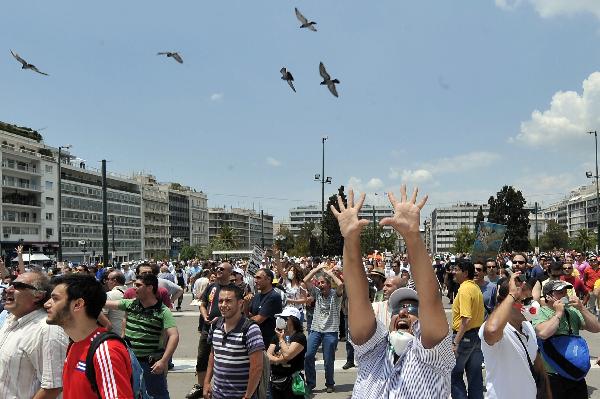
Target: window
49 232
49 216
49 185
49 201
48 168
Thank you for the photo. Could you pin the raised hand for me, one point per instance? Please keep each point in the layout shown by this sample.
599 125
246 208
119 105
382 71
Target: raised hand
406 219
347 217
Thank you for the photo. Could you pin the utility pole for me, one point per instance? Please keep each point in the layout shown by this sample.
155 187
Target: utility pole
323 198
104 217
595 133
262 228
537 244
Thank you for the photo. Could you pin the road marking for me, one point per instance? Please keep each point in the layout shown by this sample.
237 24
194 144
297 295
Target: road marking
189 366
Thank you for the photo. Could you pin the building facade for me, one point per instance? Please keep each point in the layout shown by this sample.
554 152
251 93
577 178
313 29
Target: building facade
155 218
577 211
446 221
81 190
29 192
249 227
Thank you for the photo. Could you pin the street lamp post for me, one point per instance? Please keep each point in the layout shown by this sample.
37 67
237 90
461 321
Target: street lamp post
59 200
595 133
323 180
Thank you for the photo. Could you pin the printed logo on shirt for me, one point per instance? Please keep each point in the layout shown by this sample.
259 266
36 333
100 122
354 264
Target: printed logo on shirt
80 367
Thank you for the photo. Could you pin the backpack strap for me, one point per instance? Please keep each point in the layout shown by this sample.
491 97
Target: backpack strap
90 371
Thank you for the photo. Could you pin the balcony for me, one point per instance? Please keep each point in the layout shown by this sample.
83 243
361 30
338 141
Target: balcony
23 186
20 200
27 168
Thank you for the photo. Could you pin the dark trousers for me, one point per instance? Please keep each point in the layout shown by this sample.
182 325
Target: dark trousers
342 324
564 388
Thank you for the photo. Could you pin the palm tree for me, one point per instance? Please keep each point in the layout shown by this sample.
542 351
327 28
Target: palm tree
583 240
227 235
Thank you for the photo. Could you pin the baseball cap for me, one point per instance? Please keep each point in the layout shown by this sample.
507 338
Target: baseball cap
401 294
238 270
551 286
289 311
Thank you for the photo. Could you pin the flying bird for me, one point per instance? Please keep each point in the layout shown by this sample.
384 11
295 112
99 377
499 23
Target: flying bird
173 55
327 80
305 24
26 65
287 76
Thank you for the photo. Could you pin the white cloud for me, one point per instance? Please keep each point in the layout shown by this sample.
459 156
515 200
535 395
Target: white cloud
355 183
570 115
375 183
217 97
273 162
546 184
416 176
553 8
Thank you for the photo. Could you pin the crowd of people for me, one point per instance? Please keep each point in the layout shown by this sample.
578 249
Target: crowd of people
109 332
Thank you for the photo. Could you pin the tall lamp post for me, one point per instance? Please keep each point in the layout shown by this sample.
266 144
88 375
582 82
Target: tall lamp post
588 174
59 218
324 180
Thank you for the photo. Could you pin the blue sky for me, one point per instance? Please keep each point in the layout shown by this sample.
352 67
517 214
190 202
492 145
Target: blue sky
457 97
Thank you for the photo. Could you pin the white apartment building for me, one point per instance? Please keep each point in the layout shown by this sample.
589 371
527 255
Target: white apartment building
29 192
447 220
248 227
155 218
577 211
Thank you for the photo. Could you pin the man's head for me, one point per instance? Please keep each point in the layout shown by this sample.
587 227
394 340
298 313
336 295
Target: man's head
392 284
556 270
82 269
26 293
554 291
521 308
396 267
115 279
263 279
231 301
324 284
463 270
378 277
480 272
492 267
568 269
146 286
222 272
147 268
519 263
165 269
404 305
593 262
75 297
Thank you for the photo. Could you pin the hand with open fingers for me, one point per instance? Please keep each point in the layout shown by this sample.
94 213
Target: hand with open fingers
347 216
19 249
407 212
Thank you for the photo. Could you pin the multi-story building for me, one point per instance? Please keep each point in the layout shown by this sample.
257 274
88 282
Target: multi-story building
29 191
446 221
249 228
577 211
198 218
81 190
155 218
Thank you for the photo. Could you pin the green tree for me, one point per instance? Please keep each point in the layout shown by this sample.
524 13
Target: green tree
584 240
334 242
555 237
227 236
508 209
306 243
187 252
286 243
463 240
377 238
480 218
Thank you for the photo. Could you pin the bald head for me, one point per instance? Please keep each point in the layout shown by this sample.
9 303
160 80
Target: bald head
392 284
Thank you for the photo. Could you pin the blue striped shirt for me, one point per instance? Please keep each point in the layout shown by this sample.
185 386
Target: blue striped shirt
231 354
420 373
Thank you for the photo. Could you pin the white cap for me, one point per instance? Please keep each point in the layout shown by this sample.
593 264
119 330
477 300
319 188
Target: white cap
290 311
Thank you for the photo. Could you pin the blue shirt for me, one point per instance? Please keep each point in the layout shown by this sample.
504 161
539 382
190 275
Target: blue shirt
489 291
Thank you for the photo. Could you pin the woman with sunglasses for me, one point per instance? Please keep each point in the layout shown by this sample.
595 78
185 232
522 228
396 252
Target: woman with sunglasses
286 353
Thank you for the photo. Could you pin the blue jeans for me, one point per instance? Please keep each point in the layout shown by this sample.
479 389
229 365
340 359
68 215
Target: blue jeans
156 384
329 340
349 347
469 359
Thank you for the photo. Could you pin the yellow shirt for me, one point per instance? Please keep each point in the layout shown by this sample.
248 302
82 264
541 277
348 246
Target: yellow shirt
597 284
468 303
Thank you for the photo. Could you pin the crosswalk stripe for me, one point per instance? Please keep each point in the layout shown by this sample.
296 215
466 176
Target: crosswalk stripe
189 366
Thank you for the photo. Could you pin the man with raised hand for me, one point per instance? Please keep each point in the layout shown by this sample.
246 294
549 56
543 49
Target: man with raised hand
412 357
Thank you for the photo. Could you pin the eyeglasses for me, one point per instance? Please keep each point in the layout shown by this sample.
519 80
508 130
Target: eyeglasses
519 262
527 301
568 268
19 285
411 308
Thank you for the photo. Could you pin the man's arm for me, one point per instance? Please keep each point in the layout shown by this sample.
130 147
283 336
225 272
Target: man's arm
308 278
548 328
112 305
172 336
406 220
176 295
103 321
207 391
494 326
256 366
361 318
339 283
50 393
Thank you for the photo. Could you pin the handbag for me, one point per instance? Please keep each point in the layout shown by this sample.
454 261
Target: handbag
568 355
538 378
298 387
280 383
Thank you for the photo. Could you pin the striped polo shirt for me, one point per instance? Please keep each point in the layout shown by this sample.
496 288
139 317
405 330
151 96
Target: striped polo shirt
144 326
419 373
326 316
231 353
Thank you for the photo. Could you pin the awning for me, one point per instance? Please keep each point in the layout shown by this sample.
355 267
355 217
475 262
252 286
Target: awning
34 257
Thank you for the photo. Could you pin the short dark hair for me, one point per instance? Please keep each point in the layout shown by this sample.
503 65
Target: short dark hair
149 279
268 273
119 277
467 267
154 266
239 295
297 324
86 287
556 267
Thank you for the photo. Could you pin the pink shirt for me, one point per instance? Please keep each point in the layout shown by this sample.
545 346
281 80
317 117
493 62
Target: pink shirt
581 266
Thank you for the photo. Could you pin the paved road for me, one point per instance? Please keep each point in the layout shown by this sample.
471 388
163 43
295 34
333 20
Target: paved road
182 377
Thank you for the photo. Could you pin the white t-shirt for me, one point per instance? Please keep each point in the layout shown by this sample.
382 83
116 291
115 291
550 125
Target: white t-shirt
506 366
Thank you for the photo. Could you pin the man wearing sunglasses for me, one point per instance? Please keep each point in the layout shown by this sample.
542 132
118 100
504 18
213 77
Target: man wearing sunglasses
509 344
32 352
412 357
519 264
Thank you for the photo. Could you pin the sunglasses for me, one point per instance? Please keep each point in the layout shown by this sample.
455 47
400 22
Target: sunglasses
568 268
410 308
18 285
527 301
519 262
